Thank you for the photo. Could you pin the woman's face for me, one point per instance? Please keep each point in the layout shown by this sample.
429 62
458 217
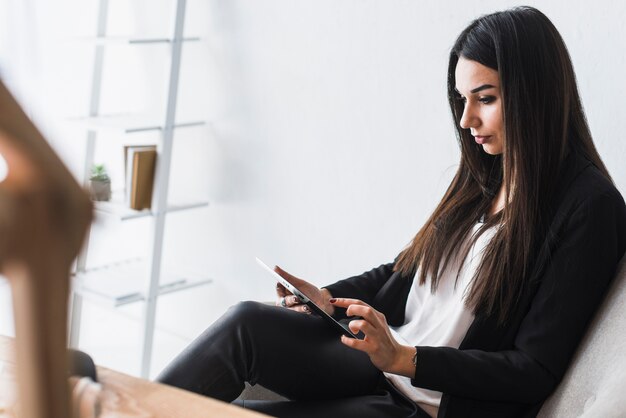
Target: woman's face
479 89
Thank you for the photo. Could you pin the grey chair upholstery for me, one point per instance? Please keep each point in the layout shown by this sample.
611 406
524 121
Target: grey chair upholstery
258 392
595 384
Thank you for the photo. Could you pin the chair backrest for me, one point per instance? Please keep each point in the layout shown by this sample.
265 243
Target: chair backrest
44 216
594 384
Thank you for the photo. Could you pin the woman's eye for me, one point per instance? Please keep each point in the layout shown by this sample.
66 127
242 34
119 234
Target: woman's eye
486 99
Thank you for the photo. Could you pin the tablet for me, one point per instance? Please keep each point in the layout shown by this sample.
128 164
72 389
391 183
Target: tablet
322 313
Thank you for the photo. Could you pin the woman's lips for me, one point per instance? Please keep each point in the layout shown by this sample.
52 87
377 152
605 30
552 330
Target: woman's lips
481 139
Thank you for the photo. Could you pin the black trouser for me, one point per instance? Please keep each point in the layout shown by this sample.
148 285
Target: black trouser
295 355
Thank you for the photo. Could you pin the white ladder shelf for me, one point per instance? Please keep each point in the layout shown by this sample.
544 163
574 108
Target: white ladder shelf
86 280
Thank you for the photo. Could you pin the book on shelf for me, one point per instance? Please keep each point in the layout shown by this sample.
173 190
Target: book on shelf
140 165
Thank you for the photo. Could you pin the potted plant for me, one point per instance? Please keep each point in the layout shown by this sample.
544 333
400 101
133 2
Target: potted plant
100 183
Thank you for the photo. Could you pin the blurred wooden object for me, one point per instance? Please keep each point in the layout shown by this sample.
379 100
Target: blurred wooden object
44 215
129 397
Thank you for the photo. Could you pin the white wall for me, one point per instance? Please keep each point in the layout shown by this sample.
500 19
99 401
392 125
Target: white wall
330 139
333 139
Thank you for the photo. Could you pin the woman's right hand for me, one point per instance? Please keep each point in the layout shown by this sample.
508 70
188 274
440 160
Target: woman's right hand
288 300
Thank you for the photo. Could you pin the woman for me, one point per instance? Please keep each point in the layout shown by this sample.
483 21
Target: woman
481 313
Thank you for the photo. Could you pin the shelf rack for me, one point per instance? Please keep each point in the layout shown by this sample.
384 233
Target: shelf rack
129 124
136 280
120 283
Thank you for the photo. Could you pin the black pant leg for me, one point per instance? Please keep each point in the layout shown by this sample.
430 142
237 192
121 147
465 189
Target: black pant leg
296 355
384 401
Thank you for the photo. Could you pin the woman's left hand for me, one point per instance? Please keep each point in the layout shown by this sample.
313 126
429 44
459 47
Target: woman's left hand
384 351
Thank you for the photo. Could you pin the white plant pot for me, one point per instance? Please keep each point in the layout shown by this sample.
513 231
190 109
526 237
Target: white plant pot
100 190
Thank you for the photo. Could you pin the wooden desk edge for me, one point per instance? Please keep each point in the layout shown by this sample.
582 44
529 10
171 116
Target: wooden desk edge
136 397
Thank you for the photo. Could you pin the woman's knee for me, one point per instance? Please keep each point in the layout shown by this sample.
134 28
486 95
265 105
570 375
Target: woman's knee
247 313
247 309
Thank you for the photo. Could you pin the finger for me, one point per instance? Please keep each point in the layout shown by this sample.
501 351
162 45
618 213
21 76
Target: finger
366 312
288 301
360 345
281 290
345 302
361 325
281 302
356 307
292 300
301 308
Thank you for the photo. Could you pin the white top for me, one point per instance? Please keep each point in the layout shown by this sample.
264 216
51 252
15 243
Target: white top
440 319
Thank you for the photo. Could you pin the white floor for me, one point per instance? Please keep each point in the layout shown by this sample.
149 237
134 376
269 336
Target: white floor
112 335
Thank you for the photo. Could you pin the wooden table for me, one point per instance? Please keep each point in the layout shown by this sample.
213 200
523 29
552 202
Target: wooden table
124 396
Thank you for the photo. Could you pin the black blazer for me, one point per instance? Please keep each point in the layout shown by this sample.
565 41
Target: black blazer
508 371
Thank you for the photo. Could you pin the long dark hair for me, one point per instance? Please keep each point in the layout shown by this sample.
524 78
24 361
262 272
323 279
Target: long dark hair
543 122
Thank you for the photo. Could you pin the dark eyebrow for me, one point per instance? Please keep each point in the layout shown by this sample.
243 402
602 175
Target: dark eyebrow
479 88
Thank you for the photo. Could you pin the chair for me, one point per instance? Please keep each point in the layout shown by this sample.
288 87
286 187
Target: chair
44 215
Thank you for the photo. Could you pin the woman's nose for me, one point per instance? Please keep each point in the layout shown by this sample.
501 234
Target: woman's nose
468 118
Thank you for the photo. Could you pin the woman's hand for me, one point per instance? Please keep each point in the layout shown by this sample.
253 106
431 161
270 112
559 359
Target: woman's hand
384 351
288 300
